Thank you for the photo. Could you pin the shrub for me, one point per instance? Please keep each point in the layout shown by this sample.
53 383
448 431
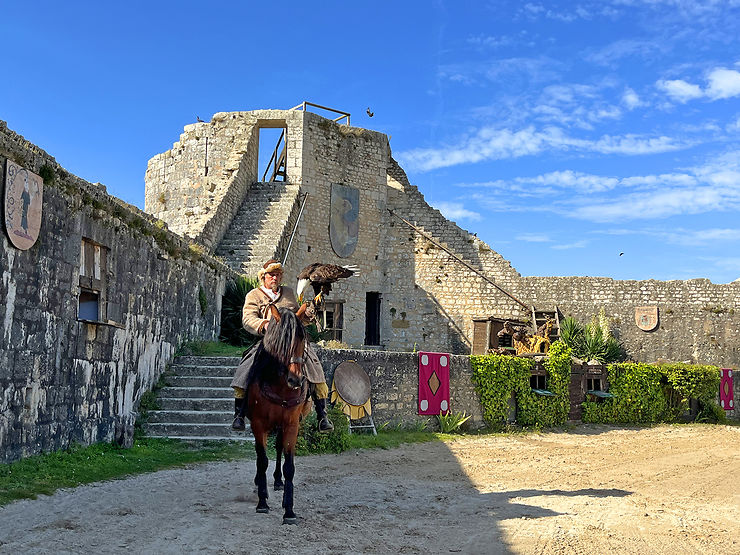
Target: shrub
496 377
592 341
311 441
648 393
232 331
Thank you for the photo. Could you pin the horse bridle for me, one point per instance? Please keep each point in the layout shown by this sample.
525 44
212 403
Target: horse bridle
300 361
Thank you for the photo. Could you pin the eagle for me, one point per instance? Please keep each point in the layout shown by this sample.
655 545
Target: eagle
321 276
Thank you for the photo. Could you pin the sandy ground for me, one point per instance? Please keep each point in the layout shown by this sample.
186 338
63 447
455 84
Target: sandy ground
670 489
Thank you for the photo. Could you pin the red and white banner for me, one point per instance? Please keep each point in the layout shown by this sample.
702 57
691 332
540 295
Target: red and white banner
726 400
434 383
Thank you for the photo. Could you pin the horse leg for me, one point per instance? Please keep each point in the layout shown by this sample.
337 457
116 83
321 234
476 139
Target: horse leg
289 439
260 479
278 475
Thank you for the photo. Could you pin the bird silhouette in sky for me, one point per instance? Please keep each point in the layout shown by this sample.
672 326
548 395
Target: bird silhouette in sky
369 113
621 253
198 119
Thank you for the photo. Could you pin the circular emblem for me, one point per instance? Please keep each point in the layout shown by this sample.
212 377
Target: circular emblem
443 405
443 360
424 360
424 405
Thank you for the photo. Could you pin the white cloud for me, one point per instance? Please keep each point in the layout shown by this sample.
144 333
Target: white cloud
680 90
577 245
723 83
630 99
714 186
533 238
490 143
456 211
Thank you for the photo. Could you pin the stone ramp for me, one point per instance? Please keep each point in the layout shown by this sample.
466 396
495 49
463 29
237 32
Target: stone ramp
261 226
197 403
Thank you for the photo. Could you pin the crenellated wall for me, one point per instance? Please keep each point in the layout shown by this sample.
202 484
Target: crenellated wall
63 380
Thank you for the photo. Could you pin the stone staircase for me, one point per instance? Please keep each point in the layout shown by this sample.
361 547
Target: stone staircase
197 403
260 226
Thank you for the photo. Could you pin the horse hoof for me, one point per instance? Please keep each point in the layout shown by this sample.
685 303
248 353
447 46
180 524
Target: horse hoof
263 510
278 487
290 520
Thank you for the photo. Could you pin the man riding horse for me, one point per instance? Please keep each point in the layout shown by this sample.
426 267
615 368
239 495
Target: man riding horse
256 319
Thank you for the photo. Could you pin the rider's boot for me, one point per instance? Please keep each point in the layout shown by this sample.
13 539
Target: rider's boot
239 425
325 424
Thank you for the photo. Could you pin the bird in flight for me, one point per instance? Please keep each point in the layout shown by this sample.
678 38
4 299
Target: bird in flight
198 119
369 113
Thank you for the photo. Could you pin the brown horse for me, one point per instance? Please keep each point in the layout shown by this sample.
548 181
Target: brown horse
277 400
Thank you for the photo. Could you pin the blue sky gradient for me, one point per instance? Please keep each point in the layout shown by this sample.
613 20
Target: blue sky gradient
562 133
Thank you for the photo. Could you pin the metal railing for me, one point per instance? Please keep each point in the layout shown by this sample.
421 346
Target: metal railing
276 160
303 105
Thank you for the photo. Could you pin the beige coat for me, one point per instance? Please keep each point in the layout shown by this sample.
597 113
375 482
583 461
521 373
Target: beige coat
255 316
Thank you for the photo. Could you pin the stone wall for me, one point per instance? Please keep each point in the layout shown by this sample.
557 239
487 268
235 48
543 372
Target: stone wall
428 298
63 380
198 185
394 379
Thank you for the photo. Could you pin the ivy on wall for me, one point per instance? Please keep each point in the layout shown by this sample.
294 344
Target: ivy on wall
496 377
537 410
647 393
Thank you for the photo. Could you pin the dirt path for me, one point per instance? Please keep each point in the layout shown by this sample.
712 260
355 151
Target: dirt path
670 489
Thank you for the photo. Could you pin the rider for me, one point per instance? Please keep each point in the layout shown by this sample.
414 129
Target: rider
255 319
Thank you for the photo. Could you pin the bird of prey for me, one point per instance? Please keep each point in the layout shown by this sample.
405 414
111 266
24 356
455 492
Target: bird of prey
369 113
321 276
621 253
198 119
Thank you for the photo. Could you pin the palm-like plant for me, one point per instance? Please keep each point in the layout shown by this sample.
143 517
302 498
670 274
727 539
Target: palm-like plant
592 341
232 330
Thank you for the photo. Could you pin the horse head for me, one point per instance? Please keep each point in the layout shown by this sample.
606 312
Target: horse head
285 341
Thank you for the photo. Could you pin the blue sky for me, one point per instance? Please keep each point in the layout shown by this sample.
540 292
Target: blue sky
562 133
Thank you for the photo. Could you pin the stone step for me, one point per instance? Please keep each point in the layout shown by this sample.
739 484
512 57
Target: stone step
193 370
190 392
196 404
235 437
205 361
189 430
199 381
190 417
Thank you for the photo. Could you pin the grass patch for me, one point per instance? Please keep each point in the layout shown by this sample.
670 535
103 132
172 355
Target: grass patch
44 474
210 349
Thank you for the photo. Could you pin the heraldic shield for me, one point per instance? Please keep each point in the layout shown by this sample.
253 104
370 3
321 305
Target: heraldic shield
22 205
646 317
344 223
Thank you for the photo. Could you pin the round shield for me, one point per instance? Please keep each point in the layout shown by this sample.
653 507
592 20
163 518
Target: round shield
352 383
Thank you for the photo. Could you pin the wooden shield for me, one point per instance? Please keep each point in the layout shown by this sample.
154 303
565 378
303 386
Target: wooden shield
646 317
22 205
344 221
352 383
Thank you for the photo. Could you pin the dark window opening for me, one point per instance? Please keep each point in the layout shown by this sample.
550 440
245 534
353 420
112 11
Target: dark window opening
593 384
89 305
537 382
372 318
93 287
